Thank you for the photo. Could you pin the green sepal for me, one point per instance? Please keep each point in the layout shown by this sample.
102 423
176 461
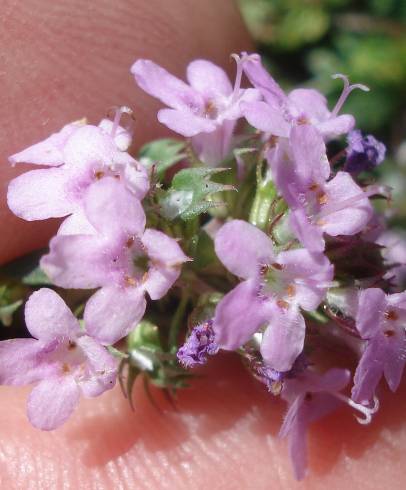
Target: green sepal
7 311
163 153
189 193
36 277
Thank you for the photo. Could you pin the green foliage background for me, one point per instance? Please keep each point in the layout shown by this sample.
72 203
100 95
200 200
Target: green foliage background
304 42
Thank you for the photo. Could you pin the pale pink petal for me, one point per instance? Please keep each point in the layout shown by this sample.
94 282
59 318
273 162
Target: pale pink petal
20 362
371 307
112 312
122 138
76 224
311 103
309 153
78 261
52 402
40 194
159 280
284 338
186 123
113 210
266 118
208 79
395 360
212 148
163 249
336 126
48 152
309 235
312 274
348 209
243 248
47 317
101 371
238 316
159 83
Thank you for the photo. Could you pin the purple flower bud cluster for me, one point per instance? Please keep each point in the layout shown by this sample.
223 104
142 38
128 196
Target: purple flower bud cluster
280 272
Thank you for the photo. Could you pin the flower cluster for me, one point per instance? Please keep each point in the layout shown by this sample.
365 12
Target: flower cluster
298 256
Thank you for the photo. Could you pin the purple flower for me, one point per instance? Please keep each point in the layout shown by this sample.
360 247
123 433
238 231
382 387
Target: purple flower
394 254
274 289
381 320
81 155
198 345
310 397
205 110
278 113
61 359
121 257
363 152
301 171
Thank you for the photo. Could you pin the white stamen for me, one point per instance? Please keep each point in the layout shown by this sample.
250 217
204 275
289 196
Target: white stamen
367 412
238 77
117 117
346 92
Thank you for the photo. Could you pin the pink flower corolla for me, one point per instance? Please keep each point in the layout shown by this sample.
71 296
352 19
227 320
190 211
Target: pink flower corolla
205 110
319 206
394 255
274 288
381 320
62 359
310 397
122 258
279 112
80 154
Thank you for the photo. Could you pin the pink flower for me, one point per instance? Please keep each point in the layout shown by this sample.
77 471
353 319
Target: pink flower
205 110
274 288
80 154
62 359
120 256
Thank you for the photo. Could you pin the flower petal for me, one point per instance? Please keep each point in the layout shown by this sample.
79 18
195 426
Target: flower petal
78 261
312 273
159 83
238 316
185 122
283 340
336 126
163 249
311 103
48 152
309 235
21 363
208 79
40 194
52 402
113 210
348 209
112 312
243 248
371 307
369 370
47 317
102 368
266 118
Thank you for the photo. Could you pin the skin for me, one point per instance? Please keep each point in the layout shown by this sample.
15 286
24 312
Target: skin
63 61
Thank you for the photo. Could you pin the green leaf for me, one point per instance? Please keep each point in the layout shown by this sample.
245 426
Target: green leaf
162 153
191 192
6 312
36 277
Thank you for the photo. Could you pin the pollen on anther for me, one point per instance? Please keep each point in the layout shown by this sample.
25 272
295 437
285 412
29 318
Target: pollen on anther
282 304
130 242
322 198
277 266
130 281
391 315
291 290
99 174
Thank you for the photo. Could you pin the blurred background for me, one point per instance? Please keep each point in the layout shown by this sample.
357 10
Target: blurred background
304 42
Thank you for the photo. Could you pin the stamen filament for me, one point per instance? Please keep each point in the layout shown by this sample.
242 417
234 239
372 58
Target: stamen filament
367 412
346 92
